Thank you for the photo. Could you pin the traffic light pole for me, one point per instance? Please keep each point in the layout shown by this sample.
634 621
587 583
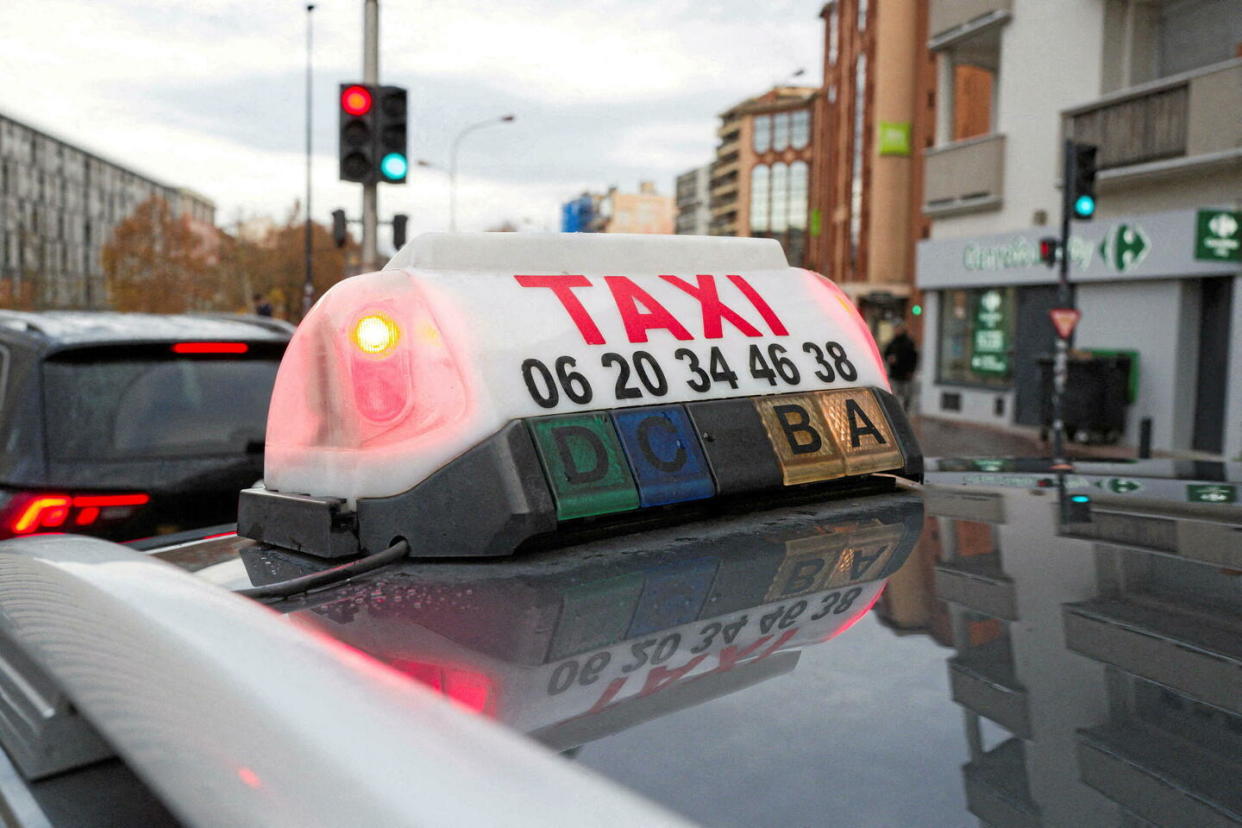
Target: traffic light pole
308 287
1064 300
370 191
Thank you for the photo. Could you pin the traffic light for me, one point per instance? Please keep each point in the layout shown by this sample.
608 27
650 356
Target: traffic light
1082 196
1048 250
390 136
398 230
357 133
338 227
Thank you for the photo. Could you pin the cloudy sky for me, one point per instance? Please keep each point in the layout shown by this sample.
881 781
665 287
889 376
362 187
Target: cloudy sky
210 93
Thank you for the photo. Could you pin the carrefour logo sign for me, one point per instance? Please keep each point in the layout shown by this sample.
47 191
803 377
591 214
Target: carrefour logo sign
1123 248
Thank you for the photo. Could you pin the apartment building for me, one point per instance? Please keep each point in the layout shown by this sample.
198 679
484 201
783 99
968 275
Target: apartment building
1157 87
58 206
871 122
693 214
761 178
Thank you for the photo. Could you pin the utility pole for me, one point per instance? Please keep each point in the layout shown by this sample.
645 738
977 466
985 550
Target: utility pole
370 77
308 288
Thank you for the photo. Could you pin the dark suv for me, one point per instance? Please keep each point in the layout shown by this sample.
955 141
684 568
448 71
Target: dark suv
127 424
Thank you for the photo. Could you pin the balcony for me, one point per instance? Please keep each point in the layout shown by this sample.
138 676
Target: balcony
997 790
982 679
1184 121
965 176
729 131
953 20
1160 778
1177 647
728 165
978 583
723 207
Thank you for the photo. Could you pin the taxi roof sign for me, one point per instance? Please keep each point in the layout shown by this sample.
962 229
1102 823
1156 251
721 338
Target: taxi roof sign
494 385
594 252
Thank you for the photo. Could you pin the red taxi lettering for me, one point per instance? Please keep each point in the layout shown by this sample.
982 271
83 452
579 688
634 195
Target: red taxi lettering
628 295
610 693
765 310
563 287
731 655
714 311
661 676
641 312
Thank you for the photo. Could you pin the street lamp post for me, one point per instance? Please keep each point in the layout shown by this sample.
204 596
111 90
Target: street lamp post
504 119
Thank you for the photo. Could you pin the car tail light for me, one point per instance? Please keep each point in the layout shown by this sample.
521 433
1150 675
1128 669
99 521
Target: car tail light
210 348
27 513
470 689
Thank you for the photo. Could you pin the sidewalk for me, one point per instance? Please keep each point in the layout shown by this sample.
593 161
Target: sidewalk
953 438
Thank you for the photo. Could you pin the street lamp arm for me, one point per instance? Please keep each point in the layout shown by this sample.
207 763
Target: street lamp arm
504 119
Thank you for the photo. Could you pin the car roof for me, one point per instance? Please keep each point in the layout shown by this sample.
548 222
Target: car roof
52 330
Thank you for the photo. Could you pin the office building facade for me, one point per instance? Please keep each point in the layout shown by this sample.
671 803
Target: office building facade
58 206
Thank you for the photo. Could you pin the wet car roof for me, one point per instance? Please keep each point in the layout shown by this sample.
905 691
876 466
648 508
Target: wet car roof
1047 649
56 329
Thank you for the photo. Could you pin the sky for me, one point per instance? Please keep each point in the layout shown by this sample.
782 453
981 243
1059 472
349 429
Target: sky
210 94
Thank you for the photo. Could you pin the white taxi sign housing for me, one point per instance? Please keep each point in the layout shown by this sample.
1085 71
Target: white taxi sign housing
609 347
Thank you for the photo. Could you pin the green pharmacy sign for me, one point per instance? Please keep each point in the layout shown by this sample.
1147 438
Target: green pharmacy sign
1217 236
989 337
1211 493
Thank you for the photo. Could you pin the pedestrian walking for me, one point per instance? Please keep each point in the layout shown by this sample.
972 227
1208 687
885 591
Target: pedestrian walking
901 357
262 307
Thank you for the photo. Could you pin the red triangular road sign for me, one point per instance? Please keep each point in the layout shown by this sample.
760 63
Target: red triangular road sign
1064 320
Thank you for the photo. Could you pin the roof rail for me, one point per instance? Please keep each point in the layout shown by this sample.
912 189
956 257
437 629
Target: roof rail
267 322
235 716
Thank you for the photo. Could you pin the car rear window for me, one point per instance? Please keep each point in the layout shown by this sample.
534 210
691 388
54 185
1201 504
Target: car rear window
143 406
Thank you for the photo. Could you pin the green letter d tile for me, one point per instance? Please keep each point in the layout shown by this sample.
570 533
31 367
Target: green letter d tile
585 465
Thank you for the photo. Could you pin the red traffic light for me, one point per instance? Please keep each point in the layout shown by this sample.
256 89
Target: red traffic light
356 100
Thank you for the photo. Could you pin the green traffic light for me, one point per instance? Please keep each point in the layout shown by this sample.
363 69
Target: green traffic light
917 310
394 166
1084 206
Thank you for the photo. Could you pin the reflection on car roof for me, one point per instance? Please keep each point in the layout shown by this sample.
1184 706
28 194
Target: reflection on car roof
90 327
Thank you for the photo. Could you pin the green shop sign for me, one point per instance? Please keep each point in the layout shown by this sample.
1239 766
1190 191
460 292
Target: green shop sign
1211 493
989 338
1217 236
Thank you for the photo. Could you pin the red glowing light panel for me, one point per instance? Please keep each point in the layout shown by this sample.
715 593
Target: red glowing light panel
210 348
51 511
356 100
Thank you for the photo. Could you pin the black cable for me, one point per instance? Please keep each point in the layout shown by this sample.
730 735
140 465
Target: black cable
305 583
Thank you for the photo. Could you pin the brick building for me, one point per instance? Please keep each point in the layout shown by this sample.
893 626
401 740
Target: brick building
762 173
873 118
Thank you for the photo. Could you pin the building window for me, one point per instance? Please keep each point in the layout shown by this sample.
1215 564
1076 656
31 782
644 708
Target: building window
780 131
762 125
798 180
856 173
833 36
759 192
780 198
976 336
801 129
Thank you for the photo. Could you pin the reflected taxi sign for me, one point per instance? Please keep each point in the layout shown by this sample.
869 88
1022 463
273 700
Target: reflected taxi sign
488 388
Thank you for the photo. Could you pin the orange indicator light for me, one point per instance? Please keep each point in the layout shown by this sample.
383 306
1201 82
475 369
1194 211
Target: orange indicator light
376 334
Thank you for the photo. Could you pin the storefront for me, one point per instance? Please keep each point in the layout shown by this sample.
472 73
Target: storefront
1160 288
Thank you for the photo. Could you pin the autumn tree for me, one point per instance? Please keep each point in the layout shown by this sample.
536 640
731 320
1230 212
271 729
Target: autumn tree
273 263
156 261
